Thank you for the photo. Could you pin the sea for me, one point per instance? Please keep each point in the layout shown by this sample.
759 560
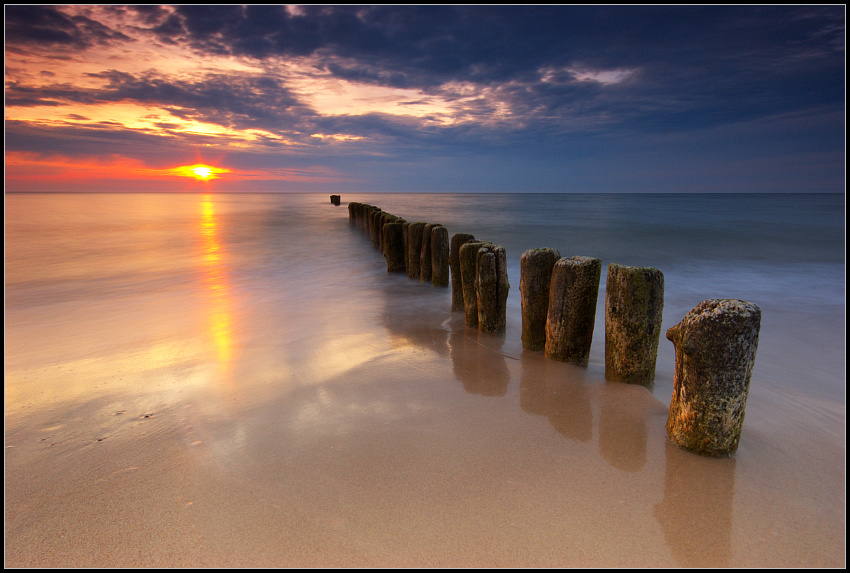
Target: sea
307 374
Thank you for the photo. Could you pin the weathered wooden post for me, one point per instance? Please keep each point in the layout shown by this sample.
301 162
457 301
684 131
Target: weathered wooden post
458 240
382 222
439 256
572 309
374 227
716 345
404 240
634 301
425 254
468 265
492 288
386 219
414 248
394 247
535 276
335 199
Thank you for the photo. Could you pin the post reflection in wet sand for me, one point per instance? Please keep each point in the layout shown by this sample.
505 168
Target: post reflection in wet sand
478 363
696 511
622 430
547 389
214 276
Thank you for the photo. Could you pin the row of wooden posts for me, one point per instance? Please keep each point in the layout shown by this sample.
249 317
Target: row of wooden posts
715 343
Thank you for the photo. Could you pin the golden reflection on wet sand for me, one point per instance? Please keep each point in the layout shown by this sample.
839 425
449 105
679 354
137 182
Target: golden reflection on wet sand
215 278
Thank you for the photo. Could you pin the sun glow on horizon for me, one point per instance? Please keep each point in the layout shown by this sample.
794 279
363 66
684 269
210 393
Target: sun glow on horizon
200 171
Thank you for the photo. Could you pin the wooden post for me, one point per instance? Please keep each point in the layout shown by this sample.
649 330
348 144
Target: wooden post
492 288
394 247
716 345
572 309
468 265
634 301
534 280
439 256
425 254
458 240
374 227
414 248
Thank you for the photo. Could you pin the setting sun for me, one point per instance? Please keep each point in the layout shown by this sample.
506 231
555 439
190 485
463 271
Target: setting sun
200 171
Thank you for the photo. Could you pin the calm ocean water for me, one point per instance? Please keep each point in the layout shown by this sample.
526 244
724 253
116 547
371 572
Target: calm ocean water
101 266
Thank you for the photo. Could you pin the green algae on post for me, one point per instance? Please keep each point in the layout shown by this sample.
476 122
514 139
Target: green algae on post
716 345
534 279
634 301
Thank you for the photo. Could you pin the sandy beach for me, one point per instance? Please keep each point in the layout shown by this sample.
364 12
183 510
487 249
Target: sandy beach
320 416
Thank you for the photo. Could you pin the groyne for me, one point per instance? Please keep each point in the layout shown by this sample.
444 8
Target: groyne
715 343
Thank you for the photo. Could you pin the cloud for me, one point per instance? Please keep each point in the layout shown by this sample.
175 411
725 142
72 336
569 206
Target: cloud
44 25
405 84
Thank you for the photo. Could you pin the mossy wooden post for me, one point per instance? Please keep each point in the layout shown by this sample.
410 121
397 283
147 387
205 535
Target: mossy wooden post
492 288
634 301
716 345
572 309
394 247
439 256
414 248
458 240
335 199
535 275
352 210
468 264
425 263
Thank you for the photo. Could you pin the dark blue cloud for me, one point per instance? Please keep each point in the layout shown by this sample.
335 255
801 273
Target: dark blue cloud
46 26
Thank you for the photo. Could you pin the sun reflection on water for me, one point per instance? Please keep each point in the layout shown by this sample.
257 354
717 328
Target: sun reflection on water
215 279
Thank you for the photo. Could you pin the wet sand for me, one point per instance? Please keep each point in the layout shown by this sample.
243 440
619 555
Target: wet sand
375 429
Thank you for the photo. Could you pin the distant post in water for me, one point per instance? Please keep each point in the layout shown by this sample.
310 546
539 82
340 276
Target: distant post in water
414 248
468 265
404 238
492 288
458 240
535 277
335 199
572 309
716 345
634 301
425 254
394 247
439 256
374 227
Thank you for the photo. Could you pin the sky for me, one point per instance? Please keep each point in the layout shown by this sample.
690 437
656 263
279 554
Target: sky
500 98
